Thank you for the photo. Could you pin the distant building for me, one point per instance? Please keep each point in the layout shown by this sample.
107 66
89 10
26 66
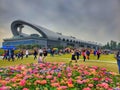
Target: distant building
47 39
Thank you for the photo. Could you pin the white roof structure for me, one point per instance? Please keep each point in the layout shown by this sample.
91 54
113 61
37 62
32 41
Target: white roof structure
45 32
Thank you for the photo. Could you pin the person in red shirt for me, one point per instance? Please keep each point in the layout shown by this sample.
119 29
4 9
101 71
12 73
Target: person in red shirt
98 54
84 55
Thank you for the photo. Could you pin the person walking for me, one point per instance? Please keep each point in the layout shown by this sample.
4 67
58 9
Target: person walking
73 56
95 52
21 54
40 52
98 54
26 53
88 54
117 56
45 54
9 55
5 55
84 55
35 54
18 55
12 54
77 54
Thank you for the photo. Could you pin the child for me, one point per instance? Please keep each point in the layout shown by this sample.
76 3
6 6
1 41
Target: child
40 58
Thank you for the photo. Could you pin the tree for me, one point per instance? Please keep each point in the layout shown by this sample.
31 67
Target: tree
21 46
112 45
108 45
28 46
118 46
36 46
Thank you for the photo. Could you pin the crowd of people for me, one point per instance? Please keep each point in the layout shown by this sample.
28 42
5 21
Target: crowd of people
10 55
41 54
85 53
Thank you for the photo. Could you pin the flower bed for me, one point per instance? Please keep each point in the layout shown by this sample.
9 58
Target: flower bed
57 76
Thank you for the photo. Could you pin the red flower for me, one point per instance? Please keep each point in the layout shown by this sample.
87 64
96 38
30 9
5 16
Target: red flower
25 89
22 83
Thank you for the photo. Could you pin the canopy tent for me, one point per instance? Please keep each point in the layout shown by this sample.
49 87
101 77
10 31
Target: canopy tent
8 47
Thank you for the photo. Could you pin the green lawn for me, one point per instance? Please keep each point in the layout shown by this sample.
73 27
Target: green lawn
106 61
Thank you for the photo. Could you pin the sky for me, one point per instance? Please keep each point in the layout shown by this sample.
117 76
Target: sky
89 20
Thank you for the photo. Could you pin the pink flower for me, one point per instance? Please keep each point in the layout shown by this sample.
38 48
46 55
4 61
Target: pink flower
55 84
4 88
103 69
52 81
7 79
25 89
79 82
95 67
54 67
52 72
86 88
86 72
95 79
49 76
63 87
105 85
69 74
43 82
75 67
13 80
86 80
22 83
108 80
59 75
90 85
68 69
70 81
110 89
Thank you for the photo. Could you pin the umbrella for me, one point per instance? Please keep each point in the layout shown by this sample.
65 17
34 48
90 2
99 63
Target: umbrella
8 47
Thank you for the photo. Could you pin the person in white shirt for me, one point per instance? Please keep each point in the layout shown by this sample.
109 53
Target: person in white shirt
40 52
27 53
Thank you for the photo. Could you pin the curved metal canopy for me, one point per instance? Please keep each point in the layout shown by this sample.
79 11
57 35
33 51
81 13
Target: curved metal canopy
43 31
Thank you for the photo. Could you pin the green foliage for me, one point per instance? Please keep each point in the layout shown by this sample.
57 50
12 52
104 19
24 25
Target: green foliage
113 45
59 47
28 46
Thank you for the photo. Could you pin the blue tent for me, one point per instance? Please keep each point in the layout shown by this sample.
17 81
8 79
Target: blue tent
8 47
